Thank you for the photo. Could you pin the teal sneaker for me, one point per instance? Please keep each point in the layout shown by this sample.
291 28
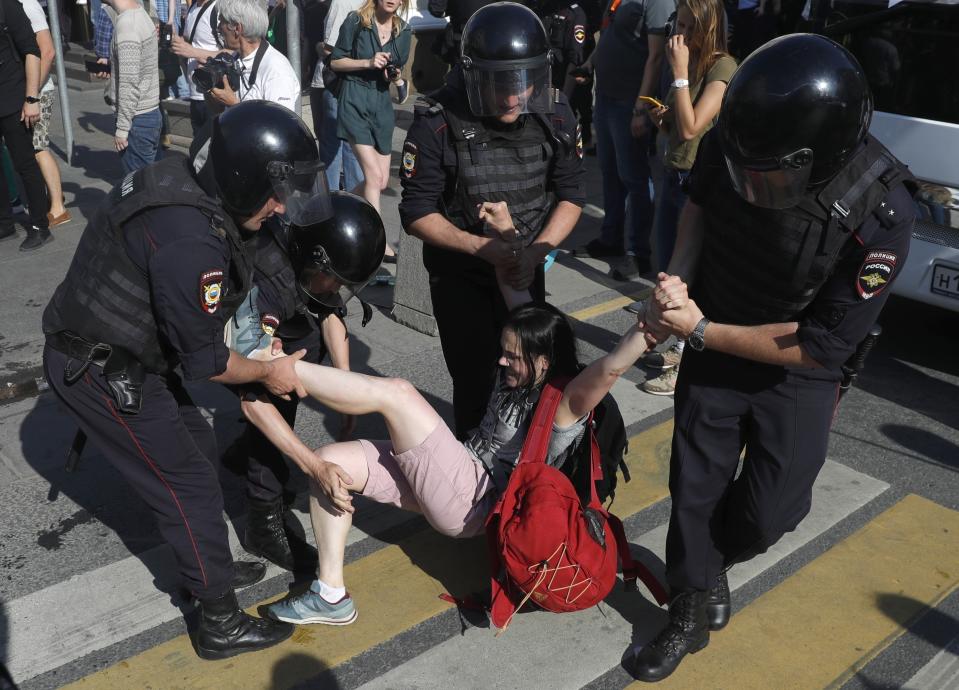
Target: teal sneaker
310 607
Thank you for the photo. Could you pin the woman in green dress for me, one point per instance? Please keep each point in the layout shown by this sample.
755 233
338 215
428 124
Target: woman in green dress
371 50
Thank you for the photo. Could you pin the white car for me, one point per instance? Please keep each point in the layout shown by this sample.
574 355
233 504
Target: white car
910 53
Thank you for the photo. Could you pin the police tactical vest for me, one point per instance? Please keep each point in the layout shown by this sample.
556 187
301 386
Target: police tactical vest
273 265
105 297
760 265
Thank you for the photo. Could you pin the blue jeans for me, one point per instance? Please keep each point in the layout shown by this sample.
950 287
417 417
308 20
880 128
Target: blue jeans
143 141
671 201
624 163
335 153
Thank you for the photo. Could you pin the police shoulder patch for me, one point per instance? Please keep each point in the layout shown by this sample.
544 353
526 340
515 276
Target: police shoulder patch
579 33
211 290
875 273
269 323
408 163
579 141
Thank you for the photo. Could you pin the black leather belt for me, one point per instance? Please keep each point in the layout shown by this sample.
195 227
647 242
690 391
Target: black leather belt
75 347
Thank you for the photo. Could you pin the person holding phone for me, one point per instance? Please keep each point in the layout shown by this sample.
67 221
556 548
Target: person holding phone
700 68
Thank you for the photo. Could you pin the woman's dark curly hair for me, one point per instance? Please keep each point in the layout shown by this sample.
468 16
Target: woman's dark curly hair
542 329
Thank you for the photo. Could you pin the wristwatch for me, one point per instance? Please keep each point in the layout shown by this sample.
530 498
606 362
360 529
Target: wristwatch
696 339
680 84
31 99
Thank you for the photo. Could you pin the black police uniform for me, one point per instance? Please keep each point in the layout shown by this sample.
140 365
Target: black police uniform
809 264
570 39
281 314
447 46
155 276
453 161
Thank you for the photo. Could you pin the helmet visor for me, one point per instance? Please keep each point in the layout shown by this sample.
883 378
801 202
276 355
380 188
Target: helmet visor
509 91
301 187
320 284
774 184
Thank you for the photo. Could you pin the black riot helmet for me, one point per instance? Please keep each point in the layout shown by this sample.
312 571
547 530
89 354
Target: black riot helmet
260 149
334 259
793 115
506 62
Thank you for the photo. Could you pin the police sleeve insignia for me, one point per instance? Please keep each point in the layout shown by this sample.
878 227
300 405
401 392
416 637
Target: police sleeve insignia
408 164
579 142
875 273
211 290
579 33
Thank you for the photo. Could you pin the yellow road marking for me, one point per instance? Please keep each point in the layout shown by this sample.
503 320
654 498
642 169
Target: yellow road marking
395 588
823 624
608 306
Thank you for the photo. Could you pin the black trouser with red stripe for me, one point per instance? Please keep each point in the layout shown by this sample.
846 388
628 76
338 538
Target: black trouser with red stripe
165 453
724 404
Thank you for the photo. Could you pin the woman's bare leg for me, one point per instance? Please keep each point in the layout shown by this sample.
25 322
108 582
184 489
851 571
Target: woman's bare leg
373 181
331 525
409 418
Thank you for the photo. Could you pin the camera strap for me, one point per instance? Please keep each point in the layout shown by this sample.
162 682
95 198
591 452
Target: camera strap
260 51
199 16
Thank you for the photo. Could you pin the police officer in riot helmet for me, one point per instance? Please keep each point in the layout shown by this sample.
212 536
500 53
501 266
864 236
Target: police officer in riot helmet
304 275
797 223
497 132
336 258
156 274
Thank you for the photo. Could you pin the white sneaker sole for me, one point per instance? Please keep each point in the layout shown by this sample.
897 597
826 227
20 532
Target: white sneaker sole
317 619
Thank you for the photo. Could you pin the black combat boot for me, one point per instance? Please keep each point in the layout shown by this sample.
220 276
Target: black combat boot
717 603
246 573
686 633
36 238
268 537
226 630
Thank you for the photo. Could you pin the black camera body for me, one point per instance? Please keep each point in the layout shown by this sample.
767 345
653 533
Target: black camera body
392 71
166 36
210 76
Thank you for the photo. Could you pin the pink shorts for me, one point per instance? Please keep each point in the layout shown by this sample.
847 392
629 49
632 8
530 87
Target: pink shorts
437 478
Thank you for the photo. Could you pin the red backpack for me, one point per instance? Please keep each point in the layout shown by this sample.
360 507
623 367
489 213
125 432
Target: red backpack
544 544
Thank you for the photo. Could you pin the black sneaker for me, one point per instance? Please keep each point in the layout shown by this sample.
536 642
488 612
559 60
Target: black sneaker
597 249
36 238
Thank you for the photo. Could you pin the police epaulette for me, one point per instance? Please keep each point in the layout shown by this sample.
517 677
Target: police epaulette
428 106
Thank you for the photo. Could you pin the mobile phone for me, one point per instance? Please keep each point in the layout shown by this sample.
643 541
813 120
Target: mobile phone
652 101
94 67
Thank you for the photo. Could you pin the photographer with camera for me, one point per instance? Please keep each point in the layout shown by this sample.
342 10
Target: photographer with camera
136 85
370 51
200 40
255 70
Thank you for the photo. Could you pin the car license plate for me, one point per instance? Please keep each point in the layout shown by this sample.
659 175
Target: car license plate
945 281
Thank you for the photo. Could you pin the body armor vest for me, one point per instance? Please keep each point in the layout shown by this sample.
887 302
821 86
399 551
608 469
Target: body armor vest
105 297
273 265
760 265
495 168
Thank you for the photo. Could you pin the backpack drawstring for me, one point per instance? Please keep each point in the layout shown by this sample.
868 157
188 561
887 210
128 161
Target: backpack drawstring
543 569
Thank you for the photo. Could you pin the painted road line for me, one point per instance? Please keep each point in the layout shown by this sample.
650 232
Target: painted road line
592 642
609 305
395 588
941 673
823 624
120 600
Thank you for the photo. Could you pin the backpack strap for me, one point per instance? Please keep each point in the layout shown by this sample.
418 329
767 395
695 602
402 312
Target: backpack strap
633 569
537 438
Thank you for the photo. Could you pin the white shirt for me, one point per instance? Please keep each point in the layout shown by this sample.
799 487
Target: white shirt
338 11
204 39
275 80
38 22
